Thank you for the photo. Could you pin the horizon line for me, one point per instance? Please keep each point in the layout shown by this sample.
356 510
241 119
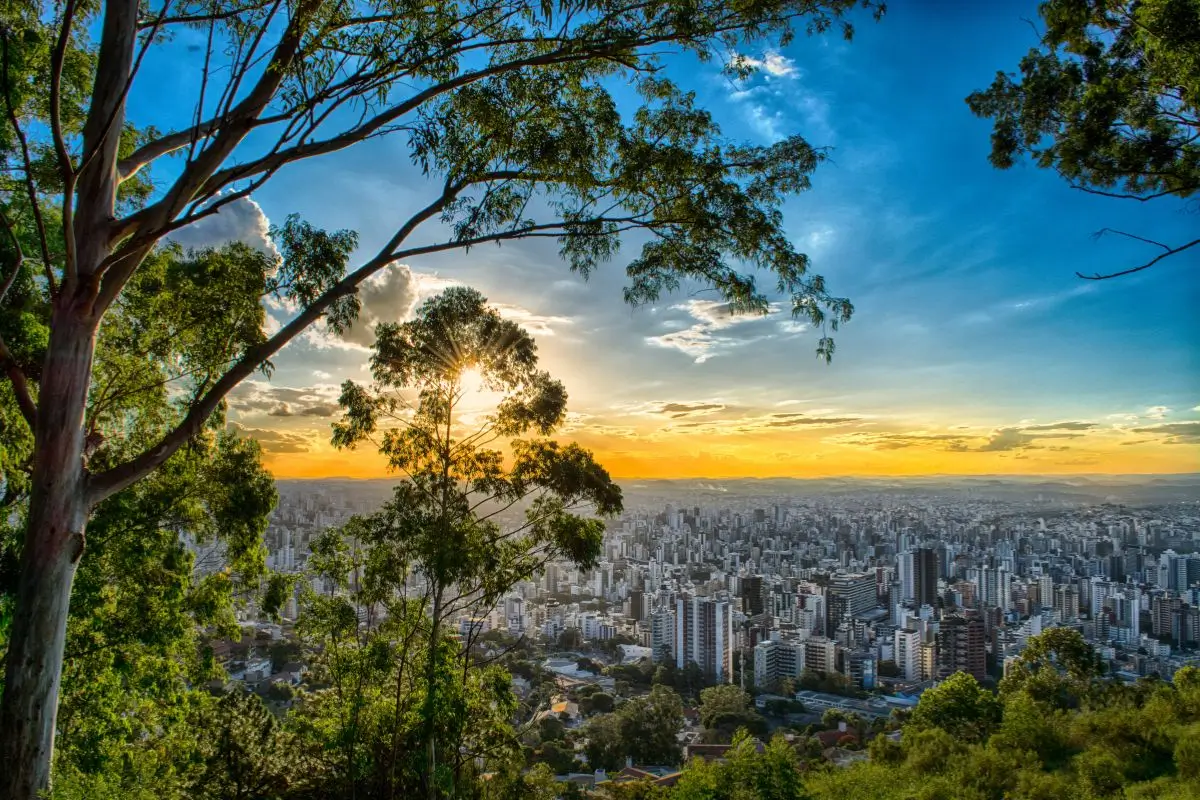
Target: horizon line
863 476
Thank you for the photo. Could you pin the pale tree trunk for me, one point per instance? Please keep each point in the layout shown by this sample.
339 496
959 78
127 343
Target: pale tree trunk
430 721
58 511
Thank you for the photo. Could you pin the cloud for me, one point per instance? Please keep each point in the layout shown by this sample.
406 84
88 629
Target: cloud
773 63
1174 432
678 410
1156 412
314 410
1010 308
701 341
536 324
388 296
798 420
241 220
899 441
275 442
1062 426
1005 439
258 397
767 124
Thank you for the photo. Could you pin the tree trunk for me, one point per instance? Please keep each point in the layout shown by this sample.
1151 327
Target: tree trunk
430 723
58 511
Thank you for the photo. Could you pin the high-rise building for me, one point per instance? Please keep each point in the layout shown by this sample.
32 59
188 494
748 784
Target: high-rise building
820 654
775 659
637 605
960 645
906 644
918 576
754 600
860 669
850 595
662 635
704 636
1066 603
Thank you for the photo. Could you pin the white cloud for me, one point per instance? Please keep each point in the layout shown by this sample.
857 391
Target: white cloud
701 341
766 123
537 324
773 63
1156 412
793 326
241 220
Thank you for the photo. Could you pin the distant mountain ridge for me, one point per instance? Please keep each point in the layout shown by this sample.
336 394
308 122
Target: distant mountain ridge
1136 489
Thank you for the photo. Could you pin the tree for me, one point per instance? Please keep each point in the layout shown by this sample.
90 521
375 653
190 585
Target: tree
141 600
722 699
746 774
559 758
506 108
1109 101
724 710
606 746
959 706
434 536
434 526
597 702
649 724
246 755
1057 667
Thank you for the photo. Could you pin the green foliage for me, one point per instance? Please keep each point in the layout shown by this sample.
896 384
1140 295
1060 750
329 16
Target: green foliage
958 705
1057 667
605 747
245 752
1109 101
726 709
642 728
746 774
596 703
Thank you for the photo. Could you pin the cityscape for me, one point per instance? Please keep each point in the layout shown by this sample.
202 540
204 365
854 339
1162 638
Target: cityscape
872 591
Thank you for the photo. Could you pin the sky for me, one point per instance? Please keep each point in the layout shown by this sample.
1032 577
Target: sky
974 348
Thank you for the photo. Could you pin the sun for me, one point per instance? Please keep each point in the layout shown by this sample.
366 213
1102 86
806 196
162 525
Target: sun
471 381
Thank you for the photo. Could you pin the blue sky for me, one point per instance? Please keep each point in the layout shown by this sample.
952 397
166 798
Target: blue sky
969 323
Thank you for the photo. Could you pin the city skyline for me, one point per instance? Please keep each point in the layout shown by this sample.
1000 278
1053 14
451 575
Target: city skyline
974 348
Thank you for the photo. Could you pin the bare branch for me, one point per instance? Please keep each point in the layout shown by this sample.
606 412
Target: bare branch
1135 237
1167 253
192 19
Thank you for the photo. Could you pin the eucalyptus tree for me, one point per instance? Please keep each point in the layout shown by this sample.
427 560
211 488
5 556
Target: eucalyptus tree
1110 100
486 500
506 106
143 599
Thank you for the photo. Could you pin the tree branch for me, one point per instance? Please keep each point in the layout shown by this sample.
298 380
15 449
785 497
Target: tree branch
20 386
16 243
30 186
113 480
1168 251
